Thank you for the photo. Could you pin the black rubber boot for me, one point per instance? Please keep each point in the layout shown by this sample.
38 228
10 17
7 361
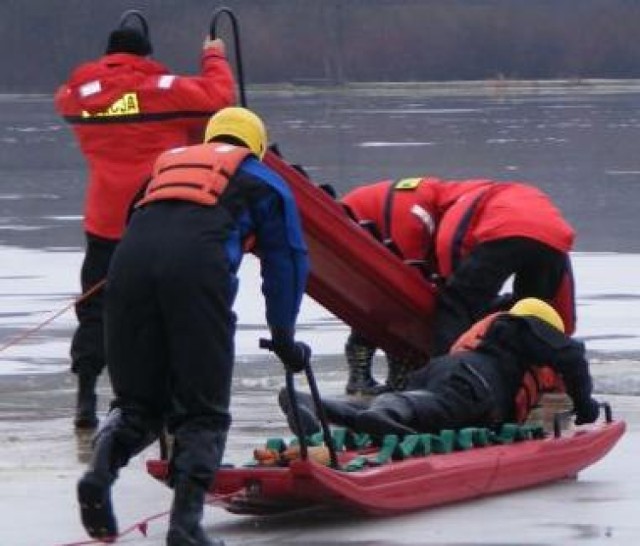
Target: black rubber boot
94 488
119 439
196 457
86 402
343 413
359 354
338 412
185 527
96 511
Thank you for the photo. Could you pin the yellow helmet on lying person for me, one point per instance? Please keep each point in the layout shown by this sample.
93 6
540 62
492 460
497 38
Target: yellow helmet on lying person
239 123
537 308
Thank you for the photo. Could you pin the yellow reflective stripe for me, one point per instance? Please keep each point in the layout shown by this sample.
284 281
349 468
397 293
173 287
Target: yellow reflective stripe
126 105
407 184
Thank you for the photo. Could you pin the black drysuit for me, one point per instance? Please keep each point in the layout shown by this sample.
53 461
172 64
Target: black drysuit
468 388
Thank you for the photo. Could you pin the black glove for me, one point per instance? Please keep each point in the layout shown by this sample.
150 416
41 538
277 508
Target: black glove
293 354
587 412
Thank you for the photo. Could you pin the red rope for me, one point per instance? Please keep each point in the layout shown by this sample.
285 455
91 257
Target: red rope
22 336
143 525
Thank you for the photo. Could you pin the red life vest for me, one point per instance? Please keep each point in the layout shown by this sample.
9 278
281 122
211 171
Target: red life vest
536 381
199 174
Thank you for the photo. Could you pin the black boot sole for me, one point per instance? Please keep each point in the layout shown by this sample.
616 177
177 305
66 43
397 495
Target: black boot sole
96 511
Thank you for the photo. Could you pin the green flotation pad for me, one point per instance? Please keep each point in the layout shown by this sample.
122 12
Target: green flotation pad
394 448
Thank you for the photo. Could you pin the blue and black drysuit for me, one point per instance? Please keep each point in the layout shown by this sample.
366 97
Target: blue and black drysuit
169 320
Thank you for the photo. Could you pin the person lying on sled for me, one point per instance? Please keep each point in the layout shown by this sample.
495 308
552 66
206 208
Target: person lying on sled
491 376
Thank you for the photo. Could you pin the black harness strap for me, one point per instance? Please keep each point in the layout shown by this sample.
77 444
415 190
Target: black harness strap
461 231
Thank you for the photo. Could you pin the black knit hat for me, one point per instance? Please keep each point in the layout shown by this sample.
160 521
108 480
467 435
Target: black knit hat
129 40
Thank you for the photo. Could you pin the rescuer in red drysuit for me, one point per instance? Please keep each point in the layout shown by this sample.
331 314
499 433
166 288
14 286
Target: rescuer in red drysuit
472 235
125 109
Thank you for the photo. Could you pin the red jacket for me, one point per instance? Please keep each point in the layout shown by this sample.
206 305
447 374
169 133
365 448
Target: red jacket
125 110
465 214
407 211
496 211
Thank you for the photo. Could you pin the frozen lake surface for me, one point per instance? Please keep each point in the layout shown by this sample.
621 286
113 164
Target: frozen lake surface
37 284
579 143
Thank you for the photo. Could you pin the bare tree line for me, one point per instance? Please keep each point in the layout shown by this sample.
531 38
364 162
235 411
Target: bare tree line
339 41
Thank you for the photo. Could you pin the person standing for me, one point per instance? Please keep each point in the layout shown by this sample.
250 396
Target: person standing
125 109
169 320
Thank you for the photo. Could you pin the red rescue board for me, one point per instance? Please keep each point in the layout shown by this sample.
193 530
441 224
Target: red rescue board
414 483
356 277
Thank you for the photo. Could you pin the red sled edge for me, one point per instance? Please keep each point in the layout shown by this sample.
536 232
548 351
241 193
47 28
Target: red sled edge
356 277
412 484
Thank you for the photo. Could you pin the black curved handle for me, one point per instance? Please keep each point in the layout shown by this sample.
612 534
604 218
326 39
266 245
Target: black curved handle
560 416
315 394
213 34
608 414
137 15
558 419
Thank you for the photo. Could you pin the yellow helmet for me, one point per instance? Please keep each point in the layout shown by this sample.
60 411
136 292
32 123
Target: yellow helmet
239 123
538 308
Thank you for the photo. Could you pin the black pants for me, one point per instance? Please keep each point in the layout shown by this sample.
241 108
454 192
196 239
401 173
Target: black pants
169 333
539 271
449 393
456 391
87 345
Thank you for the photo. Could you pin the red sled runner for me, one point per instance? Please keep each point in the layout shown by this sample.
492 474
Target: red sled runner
391 303
461 471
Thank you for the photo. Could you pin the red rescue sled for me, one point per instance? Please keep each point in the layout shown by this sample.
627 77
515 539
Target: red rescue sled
359 280
414 483
356 277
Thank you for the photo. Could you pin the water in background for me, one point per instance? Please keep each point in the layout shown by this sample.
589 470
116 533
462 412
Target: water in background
579 143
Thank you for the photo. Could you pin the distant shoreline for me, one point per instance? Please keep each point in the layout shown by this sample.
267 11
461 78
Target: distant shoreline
504 86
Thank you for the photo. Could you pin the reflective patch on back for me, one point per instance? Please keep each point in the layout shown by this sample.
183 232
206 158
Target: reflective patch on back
90 88
126 105
166 81
407 184
424 217
225 148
